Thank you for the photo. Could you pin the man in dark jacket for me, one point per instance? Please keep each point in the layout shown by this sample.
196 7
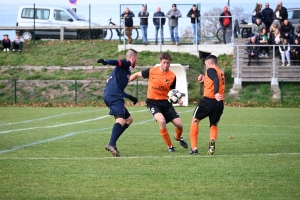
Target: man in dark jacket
287 31
267 13
144 24
225 21
173 16
128 15
253 50
194 14
159 21
283 12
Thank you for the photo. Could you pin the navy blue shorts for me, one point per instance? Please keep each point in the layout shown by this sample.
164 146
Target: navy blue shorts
116 106
164 107
211 108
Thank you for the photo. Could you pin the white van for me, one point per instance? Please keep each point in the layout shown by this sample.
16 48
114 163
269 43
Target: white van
51 16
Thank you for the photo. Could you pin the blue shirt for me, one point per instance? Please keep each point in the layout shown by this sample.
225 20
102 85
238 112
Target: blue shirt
118 79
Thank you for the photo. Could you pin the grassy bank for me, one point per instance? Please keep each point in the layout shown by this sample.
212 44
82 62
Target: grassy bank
86 53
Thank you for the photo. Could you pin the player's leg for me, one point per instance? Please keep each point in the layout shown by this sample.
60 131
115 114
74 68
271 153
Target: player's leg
201 111
156 112
214 119
128 121
118 110
178 132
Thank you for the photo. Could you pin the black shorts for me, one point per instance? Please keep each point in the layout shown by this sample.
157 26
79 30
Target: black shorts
164 107
211 108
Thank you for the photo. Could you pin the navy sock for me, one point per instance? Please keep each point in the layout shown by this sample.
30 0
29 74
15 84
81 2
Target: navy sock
116 132
124 128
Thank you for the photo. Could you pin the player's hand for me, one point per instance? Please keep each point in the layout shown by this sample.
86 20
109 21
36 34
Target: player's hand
102 61
200 78
133 99
218 97
180 103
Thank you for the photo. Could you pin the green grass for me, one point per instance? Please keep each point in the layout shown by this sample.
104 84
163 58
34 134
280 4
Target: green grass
58 153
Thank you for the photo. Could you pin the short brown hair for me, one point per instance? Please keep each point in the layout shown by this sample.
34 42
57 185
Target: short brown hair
166 56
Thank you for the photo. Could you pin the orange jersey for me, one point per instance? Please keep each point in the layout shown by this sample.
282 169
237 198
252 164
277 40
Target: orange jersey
209 84
159 83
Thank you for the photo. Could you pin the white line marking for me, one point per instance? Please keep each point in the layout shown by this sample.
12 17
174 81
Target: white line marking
59 125
49 117
151 157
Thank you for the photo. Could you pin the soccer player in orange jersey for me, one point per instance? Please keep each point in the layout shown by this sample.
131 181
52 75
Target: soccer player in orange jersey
160 81
211 105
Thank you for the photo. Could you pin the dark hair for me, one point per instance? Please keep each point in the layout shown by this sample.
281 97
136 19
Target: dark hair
166 56
296 39
213 59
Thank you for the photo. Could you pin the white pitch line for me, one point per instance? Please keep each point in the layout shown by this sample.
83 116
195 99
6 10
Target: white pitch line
59 125
151 157
48 117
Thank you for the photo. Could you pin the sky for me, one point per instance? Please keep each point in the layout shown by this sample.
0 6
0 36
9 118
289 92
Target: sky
102 10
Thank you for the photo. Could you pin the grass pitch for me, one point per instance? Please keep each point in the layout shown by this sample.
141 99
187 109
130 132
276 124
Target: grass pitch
58 153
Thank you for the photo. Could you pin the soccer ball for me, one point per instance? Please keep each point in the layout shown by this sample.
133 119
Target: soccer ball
174 96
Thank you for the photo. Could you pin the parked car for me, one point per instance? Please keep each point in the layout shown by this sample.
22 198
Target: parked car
51 16
293 15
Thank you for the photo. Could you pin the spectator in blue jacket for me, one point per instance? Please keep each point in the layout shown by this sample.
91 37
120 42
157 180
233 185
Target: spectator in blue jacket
128 15
159 23
267 13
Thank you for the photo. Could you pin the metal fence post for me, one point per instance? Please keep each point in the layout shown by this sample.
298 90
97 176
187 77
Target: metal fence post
137 89
75 87
15 91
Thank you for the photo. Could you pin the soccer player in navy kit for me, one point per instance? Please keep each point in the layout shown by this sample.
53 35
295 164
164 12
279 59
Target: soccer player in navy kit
114 96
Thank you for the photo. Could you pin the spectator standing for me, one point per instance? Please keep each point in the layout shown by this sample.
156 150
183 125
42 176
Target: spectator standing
284 50
225 21
173 16
257 12
264 40
144 24
297 31
194 14
287 31
276 14
253 50
267 14
18 43
257 27
159 21
6 43
295 52
128 15
114 96
283 12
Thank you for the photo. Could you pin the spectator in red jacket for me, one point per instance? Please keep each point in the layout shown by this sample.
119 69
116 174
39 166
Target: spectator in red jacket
6 43
225 21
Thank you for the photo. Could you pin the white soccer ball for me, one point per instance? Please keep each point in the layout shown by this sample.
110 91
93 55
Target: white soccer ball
174 96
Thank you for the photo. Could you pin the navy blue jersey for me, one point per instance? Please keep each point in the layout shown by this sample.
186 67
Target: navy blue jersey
118 79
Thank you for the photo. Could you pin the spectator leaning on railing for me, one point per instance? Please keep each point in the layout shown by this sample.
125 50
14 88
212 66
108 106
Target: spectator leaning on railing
173 16
159 24
128 15
225 21
144 24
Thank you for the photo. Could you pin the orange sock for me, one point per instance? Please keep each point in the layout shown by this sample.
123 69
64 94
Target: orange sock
213 132
178 133
165 135
194 135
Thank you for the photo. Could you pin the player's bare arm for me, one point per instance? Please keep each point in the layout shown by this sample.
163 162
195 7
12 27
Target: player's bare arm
135 76
201 78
